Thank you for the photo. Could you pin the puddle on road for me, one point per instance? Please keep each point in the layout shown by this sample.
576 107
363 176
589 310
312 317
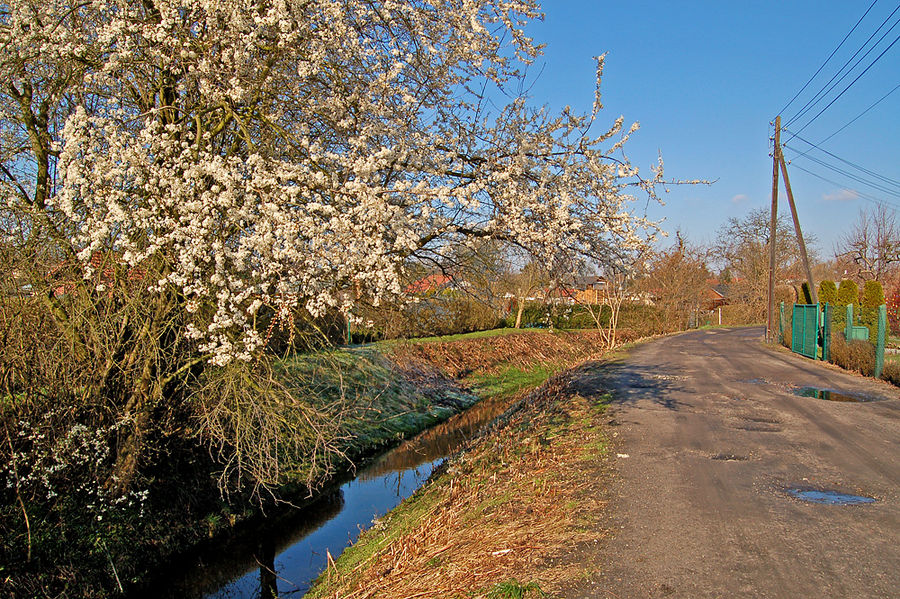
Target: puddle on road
828 497
830 395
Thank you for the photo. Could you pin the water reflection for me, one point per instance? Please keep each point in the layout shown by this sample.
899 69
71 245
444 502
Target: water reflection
283 555
437 442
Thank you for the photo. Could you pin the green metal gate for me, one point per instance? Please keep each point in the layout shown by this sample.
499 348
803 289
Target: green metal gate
805 330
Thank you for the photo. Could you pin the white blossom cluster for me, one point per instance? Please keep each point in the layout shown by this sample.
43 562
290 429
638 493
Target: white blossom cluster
71 463
303 151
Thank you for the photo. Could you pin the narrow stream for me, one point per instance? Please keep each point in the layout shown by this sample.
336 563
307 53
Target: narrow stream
283 556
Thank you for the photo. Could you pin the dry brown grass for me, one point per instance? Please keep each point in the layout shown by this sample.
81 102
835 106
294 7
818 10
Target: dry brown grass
489 354
514 506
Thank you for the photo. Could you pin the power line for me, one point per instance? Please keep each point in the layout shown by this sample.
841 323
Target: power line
833 52
850 175
869 172
854 119
860 194
877 58
825 89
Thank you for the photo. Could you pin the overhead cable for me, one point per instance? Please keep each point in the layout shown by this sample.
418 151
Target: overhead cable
850 175
864 196
831 83
869 172
833 52
877 58
854 119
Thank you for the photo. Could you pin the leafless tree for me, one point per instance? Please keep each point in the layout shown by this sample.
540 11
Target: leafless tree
872 245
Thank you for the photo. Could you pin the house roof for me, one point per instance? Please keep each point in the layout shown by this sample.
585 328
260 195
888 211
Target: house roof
432 282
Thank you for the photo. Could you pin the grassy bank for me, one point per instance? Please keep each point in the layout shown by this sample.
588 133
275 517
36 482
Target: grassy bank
508 517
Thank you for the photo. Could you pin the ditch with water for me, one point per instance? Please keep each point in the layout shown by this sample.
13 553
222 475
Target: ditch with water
283 555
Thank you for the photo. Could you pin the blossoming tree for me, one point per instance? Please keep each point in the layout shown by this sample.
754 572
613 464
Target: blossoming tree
194 160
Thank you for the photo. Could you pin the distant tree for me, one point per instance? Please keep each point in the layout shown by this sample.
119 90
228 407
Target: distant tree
847 293
872 295
532 279
872 244
742 247
676 279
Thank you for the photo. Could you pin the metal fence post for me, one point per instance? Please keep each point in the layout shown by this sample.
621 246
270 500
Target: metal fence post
848 325
826 332
815 336
879 345
781 324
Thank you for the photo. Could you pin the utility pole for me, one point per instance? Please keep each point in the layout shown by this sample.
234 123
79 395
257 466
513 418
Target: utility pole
790 195
778 163
770 313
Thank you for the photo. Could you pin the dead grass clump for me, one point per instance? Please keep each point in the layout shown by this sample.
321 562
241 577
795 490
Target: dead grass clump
514 506
856 355
891 373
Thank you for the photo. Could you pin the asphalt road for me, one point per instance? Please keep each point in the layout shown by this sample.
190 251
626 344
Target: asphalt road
715 436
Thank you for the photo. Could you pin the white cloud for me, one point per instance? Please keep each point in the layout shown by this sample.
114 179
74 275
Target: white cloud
740 198
841 195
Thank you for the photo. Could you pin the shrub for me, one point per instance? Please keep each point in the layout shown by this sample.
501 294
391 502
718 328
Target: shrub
445 312
847 293
891 373
856 355
827 292
872 297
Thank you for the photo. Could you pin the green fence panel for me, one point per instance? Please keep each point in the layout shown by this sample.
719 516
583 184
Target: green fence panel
805 330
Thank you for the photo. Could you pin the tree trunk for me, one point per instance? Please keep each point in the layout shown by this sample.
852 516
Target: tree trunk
519 309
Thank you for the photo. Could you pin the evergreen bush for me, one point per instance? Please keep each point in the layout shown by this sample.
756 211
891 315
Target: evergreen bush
872 297
827 292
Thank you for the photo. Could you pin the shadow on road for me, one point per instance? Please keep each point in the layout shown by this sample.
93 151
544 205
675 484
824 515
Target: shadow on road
631 383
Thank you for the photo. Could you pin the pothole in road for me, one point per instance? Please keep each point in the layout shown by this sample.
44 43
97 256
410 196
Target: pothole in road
828 497
762 419
831 395
728 457
758 427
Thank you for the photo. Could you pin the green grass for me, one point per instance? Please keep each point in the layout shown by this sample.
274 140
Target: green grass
381 405
459 336
509 380
513 589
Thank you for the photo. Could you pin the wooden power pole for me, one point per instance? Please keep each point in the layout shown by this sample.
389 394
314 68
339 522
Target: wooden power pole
779 163
770 312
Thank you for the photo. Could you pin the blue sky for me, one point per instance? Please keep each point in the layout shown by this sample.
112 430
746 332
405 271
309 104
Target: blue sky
704 79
